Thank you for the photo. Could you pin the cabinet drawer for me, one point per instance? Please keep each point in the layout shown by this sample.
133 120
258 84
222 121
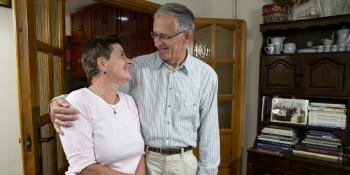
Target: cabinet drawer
267 159
263 170
345 172
312 169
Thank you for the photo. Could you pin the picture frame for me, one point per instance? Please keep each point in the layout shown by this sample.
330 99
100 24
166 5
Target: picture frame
6 3
293 111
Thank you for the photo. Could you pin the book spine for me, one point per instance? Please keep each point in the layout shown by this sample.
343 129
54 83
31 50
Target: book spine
277 131
316 150
276 137
275 143
270 146
325 109
331 105
317 155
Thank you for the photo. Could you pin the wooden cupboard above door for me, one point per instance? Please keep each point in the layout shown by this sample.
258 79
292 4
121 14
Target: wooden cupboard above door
220 43
132 27
104 20
81 26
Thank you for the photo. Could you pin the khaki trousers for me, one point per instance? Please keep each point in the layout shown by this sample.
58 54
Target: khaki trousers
178 164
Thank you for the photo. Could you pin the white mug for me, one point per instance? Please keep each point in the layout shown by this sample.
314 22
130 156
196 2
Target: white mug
348 47
270 49
341 48
334 48
289 48
320 48
278 48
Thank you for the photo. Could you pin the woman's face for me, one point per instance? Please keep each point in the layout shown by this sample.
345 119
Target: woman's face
118 67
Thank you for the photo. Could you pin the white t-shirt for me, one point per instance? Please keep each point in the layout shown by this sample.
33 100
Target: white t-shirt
100 136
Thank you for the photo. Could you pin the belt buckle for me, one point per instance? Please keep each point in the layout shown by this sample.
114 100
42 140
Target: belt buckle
166 151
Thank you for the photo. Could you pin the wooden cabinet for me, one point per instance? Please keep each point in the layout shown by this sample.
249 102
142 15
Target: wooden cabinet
265 164
309 74
317 77
133 28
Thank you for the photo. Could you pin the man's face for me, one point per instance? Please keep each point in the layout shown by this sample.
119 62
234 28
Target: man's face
170 43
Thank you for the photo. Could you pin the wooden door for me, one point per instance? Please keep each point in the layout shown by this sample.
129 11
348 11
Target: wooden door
221 44
40 50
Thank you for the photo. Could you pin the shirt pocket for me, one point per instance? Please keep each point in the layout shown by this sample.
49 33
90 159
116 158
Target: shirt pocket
188 115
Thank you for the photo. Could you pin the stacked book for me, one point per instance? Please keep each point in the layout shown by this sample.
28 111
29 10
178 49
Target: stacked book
327 115
321 145
277 138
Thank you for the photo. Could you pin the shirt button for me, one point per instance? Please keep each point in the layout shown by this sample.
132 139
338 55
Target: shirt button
171 88
168 123
168 106
167 138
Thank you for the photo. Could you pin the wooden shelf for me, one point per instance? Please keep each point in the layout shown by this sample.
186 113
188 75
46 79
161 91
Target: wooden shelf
306 23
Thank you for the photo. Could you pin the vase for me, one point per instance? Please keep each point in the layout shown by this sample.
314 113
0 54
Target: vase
290 12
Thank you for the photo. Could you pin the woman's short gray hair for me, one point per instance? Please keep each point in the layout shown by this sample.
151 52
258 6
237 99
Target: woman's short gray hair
183 15
99 46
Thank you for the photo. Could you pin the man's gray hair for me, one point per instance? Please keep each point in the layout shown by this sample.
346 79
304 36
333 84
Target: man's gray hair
183 15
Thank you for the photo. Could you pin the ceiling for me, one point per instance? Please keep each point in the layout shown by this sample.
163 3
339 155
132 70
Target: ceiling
75 5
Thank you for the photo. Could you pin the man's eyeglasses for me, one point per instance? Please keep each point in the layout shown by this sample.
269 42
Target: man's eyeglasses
163 36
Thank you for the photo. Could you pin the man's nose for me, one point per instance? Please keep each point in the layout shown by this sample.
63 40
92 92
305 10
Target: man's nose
157 41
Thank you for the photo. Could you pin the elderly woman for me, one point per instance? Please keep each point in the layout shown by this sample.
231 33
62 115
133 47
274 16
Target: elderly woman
106 139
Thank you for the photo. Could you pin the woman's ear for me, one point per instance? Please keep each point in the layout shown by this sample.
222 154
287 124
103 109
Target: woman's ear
101 64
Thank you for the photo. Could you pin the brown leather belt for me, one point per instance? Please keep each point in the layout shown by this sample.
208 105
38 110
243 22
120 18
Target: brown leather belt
168 151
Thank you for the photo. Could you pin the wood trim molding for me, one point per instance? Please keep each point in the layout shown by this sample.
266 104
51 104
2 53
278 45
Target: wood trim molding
137 5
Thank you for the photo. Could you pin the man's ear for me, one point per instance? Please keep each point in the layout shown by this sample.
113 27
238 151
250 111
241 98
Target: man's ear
189 36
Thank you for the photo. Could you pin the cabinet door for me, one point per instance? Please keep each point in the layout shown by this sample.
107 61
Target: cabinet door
326 75
77 68
263 170
81 26
104 19
126 22
312 168
279 75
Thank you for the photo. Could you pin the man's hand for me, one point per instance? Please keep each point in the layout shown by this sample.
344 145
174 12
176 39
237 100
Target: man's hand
62 114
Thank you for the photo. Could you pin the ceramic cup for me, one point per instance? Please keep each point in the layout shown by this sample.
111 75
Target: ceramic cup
327 48
278 48
289 48
270 49
341 48
327 42
320 48
334 48
309 44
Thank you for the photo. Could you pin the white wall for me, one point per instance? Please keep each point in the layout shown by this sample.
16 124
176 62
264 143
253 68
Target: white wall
251 12
10 148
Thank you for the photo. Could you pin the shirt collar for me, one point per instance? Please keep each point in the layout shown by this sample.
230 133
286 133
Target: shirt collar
185 66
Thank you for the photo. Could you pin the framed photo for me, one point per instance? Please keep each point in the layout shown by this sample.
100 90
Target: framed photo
292 111
5 3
